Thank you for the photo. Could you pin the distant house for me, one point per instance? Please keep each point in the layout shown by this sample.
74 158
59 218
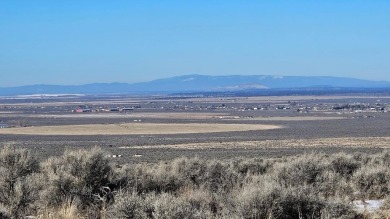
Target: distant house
127 109
3 125
83 110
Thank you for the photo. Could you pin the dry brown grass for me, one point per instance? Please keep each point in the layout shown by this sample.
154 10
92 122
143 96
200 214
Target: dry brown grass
296 118
67 210
135 128
369 142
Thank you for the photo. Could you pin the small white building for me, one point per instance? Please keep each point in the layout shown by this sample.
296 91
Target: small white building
3 125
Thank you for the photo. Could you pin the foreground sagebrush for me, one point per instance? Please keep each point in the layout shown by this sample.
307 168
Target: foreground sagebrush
84 184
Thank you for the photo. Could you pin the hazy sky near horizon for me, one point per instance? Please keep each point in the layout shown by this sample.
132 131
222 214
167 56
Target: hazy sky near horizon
78 42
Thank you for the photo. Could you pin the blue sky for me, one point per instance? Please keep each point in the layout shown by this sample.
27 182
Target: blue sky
78 42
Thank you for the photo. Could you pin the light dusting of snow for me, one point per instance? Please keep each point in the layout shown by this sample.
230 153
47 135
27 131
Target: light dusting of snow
240 87
40 96
262 77
188 79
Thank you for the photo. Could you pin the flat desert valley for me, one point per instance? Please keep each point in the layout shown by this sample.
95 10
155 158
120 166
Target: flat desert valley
165 127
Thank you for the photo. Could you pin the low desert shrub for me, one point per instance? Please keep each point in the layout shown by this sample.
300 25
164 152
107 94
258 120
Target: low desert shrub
191 171
384 211
67 210
189 204
4 212
257 199
252 166
268 200
190 207
338 210
344 165
384 157
18 181
305 169
362 158
372 182
81 177
128 205
82 184
220 177
334 185
145 178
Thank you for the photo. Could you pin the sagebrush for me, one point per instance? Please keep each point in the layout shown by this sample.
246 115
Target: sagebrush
86 184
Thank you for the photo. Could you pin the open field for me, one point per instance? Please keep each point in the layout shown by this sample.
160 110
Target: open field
180 116
351 142
138 115
295 118
135 129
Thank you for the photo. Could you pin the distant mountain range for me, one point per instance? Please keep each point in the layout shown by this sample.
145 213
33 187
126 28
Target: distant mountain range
200 83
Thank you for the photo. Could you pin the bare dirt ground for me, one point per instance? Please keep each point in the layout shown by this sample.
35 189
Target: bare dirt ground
135 129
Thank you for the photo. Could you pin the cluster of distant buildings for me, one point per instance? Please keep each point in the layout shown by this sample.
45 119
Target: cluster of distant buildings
86 109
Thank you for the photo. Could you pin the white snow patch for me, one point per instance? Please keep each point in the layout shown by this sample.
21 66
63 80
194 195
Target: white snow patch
263 77
368 205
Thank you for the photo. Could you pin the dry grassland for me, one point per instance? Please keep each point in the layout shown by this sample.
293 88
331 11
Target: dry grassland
145 115
368 142
191 116
141 115
72 103
135 128
295 118
278 99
